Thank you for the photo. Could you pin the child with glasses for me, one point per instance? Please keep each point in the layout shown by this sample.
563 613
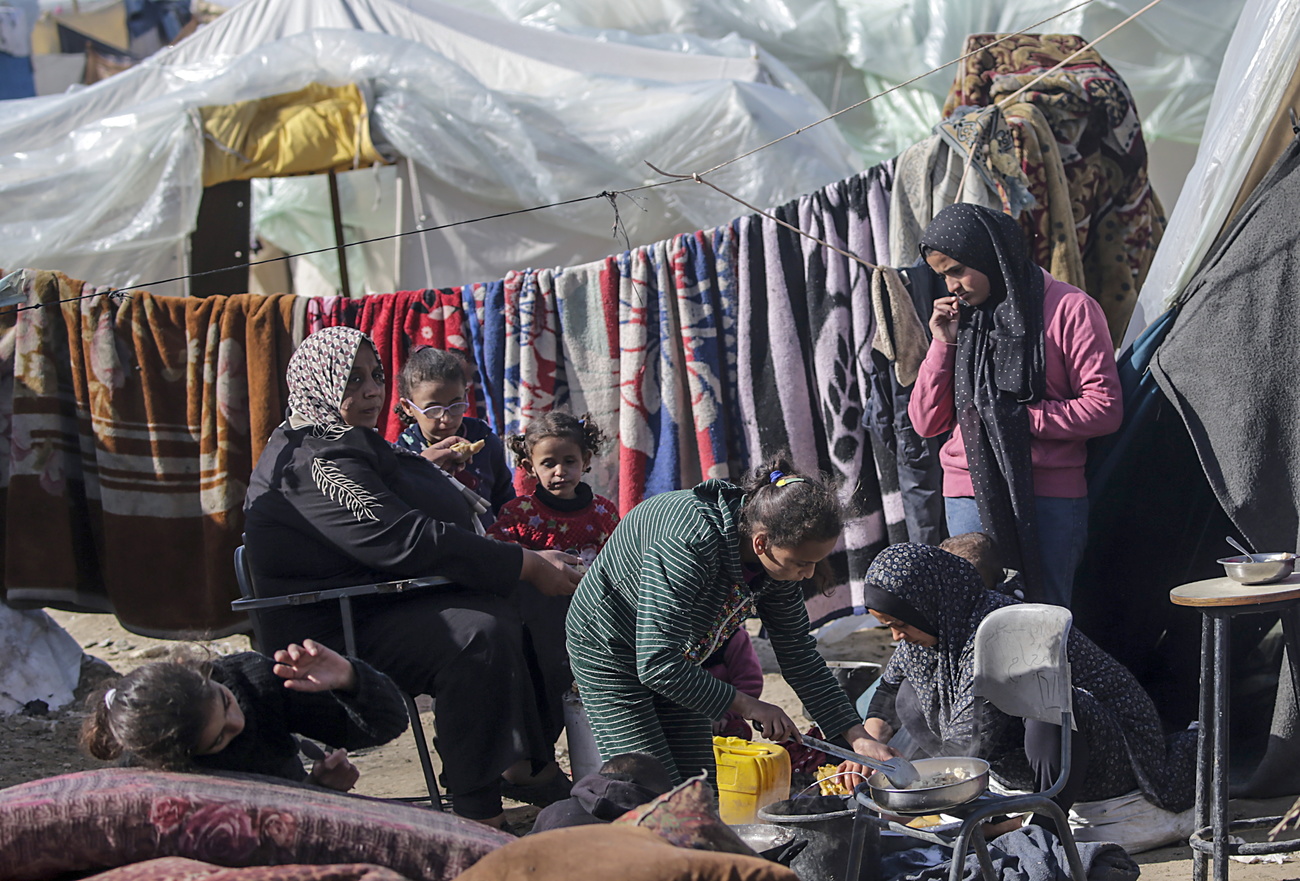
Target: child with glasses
432 389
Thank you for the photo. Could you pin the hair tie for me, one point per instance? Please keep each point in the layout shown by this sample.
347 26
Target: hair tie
781 479
108 697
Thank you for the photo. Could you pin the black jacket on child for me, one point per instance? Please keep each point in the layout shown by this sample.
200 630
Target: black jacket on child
374 714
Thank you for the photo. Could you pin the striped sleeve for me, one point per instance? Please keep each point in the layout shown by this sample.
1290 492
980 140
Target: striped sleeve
672 572
782 610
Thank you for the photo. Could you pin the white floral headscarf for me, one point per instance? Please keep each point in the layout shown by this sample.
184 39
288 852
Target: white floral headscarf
318 375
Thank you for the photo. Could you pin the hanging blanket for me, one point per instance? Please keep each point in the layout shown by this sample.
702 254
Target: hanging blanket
1114 213
806 328
400 322
135 426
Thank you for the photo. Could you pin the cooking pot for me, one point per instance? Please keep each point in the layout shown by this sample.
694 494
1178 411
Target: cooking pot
937 797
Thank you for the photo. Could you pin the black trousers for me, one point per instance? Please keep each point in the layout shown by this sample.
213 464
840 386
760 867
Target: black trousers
491 665
1042 748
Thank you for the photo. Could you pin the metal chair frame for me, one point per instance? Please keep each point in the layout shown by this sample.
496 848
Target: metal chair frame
970 836
251 604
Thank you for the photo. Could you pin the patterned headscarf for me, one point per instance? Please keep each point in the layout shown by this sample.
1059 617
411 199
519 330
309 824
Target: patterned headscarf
1000 367
318 375
950 593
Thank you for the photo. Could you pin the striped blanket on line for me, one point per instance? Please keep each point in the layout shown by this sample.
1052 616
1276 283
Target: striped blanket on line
135 424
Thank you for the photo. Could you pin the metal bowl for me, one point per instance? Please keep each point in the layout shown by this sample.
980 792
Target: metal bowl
932 799
1259 568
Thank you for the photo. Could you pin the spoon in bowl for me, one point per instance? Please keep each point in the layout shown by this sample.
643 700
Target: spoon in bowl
1236 544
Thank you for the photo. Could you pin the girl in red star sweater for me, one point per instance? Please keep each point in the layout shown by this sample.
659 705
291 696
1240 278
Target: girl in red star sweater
562 513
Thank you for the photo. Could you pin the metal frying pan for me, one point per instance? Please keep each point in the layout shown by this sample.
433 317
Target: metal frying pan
931 799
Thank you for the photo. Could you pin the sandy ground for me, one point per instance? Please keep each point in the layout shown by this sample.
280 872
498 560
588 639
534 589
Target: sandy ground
42 746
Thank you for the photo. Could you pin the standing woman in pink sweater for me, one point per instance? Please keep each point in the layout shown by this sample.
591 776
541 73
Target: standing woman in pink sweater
1022 371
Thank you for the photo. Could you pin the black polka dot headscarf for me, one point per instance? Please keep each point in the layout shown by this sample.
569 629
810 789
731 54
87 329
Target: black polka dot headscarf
993 243
1000 367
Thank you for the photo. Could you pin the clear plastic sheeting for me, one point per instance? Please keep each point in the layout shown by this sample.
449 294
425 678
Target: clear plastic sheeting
104 183
845 50
294 214
1256 73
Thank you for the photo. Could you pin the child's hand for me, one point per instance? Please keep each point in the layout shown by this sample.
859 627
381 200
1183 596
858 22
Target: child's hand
770 719
443 454
335 771
551 572
314 667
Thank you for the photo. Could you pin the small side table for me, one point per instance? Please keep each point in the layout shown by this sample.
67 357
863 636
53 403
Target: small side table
1219 601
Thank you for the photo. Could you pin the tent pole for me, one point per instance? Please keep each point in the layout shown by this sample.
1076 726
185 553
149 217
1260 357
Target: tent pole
338 234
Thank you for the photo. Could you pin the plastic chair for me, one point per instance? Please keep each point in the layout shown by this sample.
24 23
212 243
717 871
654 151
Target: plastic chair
1022 668
251 604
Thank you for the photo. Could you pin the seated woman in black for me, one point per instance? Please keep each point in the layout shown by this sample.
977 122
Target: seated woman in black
934 601
332 504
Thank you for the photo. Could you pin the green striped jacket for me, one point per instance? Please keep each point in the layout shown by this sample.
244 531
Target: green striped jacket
659 587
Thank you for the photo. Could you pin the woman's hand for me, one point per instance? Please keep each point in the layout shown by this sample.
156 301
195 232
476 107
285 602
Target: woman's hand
335 771
441 454
878 728
551 572
314 667
943 320
770 719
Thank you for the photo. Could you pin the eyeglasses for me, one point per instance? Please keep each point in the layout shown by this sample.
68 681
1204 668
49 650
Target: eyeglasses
437 411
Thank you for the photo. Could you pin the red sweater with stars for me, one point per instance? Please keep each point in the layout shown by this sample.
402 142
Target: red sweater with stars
530 522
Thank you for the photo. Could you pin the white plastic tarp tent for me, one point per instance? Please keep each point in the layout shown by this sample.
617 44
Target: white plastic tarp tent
104 183
845 50
1257 78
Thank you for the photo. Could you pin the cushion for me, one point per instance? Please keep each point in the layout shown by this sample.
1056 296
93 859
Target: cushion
174 868
616 851
686 817
98 820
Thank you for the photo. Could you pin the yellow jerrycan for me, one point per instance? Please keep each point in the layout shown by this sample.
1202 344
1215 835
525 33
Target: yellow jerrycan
750 776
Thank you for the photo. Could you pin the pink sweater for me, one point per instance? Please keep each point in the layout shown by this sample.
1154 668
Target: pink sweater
1082 399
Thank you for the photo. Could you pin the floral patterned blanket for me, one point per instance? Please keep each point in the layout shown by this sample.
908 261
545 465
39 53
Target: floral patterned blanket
1077 134
98 820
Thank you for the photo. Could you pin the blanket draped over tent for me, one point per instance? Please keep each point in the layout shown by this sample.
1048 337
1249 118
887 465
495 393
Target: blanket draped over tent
1081 149
1231 378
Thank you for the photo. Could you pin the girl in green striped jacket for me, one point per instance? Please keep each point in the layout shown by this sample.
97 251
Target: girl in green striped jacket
680 574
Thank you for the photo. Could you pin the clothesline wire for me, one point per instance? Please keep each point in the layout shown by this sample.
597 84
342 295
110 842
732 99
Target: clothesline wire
122 293
700 180
610 195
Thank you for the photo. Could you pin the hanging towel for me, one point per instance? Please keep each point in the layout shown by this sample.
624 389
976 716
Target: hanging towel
900 334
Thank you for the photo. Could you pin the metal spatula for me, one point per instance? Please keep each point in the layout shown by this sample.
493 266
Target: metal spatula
900 771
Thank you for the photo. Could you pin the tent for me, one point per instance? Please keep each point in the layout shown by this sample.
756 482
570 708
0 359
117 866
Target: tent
484 117
1209 436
